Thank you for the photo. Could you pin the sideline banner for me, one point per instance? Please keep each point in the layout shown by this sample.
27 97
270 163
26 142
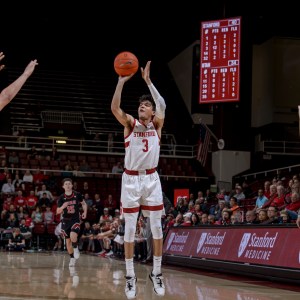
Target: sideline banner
274 246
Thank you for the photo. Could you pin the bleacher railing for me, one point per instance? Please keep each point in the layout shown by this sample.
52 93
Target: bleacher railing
68 145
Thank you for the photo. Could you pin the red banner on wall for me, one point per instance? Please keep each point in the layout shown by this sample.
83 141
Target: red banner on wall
266 246
181 193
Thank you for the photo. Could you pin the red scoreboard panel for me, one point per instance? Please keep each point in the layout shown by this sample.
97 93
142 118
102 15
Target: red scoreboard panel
220 61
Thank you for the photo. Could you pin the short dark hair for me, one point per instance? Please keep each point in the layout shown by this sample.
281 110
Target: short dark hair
67 179
148 97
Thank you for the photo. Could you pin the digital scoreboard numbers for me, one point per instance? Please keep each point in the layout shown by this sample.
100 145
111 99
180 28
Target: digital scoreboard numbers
220 61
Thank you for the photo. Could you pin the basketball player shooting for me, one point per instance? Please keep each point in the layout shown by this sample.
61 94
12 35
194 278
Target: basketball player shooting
141 186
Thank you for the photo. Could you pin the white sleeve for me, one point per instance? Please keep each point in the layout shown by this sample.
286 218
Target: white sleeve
159 102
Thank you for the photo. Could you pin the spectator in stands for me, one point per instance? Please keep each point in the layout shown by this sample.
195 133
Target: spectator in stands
260 200
12 221
110 142
225 219
235 219
251 217
13 159
37 216
204 219
111 204
106 216
247 190
177 221
171 144
98 206
32 153
3 154
8 188
8 93
28 177
68 172
25 230
38 177
53 155
187 219
222 195
181 206
208 198
262 216
86 241
20 212
84 167
17 241
292 208
59 240
44 202
96 139
86 189
234 208
294 188
43 153
48 216
211 219
239 195
88 200
191 199
279 199
17 182
39 193
273 217
117 168
272 196
28 220
267 190
284 217
20 200
31 201
77 172
199 196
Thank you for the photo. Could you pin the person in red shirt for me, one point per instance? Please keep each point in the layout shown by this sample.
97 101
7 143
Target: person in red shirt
31 202
111 204
20 200
28 220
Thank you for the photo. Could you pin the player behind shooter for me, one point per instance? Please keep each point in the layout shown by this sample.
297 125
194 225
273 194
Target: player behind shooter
68 205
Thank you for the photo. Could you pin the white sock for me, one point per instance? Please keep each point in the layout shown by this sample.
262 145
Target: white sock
156 265
129 267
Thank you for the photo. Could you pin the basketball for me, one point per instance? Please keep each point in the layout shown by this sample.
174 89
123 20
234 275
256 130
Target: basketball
126 63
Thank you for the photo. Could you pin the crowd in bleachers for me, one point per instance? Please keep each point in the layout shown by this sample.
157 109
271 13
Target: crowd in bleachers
28 198
272 202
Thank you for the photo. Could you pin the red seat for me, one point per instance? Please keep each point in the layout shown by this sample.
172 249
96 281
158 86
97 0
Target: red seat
39 230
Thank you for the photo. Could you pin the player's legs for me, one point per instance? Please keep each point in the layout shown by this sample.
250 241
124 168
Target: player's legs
130 208
152 207
74 239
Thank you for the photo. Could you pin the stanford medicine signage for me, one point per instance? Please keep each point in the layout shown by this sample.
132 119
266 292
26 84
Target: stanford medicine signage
278 247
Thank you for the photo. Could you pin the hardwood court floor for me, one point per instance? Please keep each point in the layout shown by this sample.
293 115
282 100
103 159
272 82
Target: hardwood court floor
47 276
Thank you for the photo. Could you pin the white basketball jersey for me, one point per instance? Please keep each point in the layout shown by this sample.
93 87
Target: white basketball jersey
142 147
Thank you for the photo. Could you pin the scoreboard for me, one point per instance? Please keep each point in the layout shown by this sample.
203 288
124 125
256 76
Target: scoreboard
220 61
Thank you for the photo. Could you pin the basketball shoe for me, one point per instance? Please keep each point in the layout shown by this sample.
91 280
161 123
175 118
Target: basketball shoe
158 284
130 288
72 262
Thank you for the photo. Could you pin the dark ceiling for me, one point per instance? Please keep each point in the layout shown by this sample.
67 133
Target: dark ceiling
88 35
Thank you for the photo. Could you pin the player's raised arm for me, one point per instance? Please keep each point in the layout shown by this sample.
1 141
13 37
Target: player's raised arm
120 115
11 91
